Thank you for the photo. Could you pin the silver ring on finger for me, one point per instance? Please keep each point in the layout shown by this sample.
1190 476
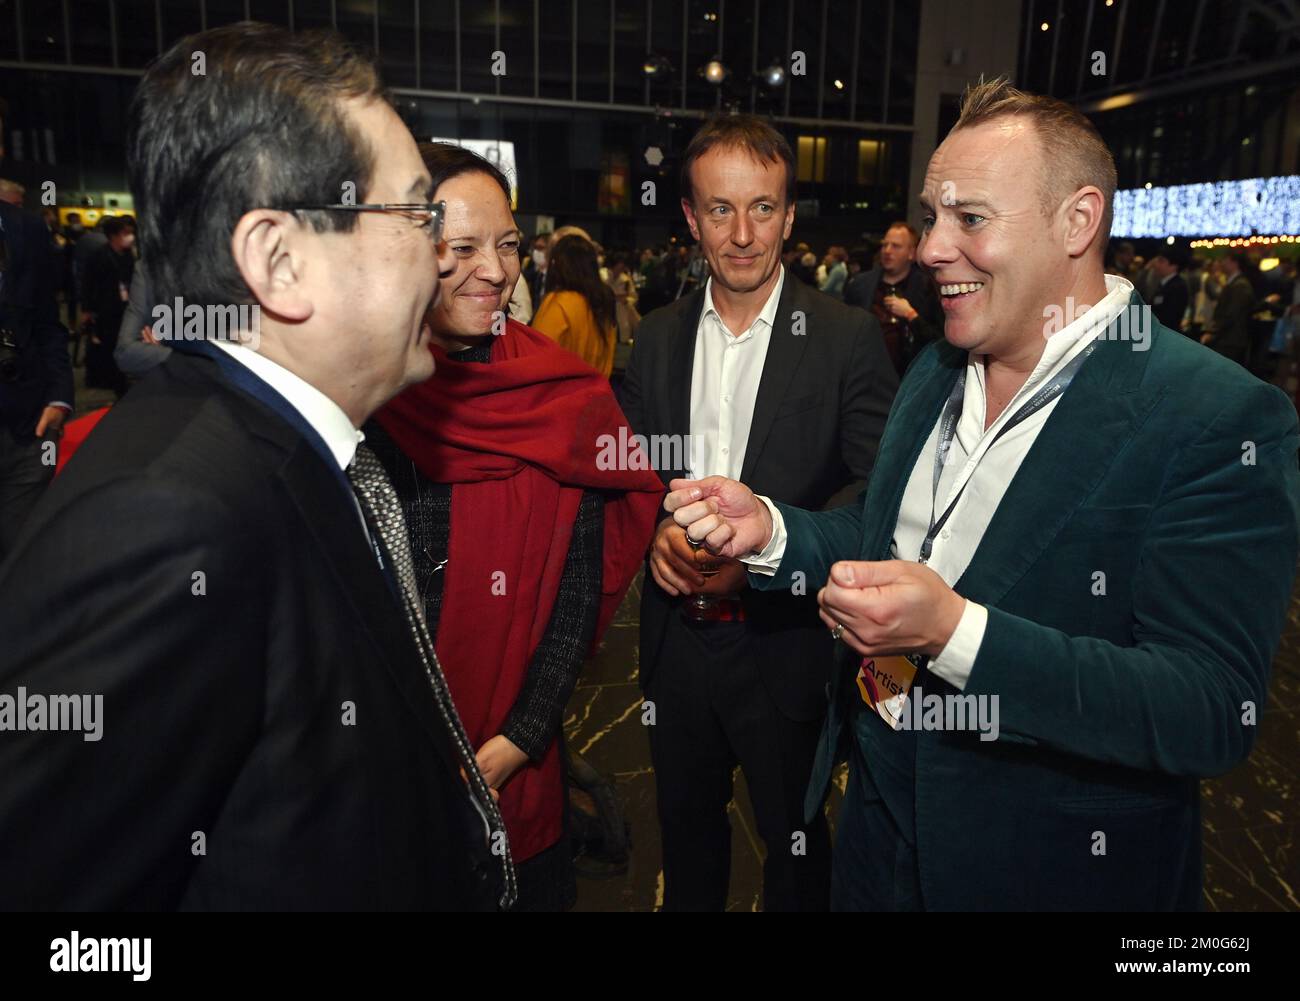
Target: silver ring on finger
695 544
837 631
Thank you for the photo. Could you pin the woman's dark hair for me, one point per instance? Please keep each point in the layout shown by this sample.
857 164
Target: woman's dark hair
447 160
572 268
236 118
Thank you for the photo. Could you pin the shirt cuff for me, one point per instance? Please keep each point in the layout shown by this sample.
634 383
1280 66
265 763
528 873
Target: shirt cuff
767 560
61 405
956 660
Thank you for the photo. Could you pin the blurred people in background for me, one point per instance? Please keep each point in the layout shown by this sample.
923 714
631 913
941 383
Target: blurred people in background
523 544
534 268
106 289
647 261
1209 285
837 272
1285 343
521 304
900 296
87 244
661 283
73 231
808 266
802 263
578 311
859 261
35 374
1119 259
11 192
620 281
1170 297
137 349
1229 332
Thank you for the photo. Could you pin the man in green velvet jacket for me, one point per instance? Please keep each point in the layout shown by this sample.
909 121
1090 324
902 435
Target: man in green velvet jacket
1061 595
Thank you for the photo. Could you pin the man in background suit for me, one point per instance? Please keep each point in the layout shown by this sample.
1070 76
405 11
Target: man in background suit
901 296
762 377
1169 304
1103 585
1229 332
261 730
35 373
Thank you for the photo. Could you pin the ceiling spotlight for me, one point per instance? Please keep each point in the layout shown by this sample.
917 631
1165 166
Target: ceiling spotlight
839 84
656 66
715 72
773 75
1044 26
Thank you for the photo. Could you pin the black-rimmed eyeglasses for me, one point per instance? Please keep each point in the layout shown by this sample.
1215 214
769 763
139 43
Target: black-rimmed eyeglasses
429 214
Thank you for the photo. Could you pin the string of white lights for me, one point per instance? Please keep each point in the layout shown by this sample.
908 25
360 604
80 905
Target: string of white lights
1217 209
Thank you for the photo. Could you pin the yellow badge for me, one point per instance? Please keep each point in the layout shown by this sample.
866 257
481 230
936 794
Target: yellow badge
883 683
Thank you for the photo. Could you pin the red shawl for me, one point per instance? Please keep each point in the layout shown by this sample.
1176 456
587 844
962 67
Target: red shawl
518 441
74 433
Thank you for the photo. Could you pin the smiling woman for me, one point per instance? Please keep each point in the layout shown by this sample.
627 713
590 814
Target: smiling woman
512 520
481 235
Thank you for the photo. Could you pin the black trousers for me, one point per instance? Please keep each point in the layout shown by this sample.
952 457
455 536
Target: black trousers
712 712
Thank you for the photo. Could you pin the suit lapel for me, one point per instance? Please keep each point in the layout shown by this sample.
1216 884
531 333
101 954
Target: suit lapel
784 350
910 421
681 365
337 529
322 499
1095 417
1098 413
869 287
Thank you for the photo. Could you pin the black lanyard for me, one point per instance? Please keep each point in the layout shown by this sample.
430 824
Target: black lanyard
948 427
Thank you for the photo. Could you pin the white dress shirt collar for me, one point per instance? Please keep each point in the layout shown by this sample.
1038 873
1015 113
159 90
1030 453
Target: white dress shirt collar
1068 341
766 315
325 416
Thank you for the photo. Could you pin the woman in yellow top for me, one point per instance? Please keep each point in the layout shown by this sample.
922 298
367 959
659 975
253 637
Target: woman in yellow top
578 311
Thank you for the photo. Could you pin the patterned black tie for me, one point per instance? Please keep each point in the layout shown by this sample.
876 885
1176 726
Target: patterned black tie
384 513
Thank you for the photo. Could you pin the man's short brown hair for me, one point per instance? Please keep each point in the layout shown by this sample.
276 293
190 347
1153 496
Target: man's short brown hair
748 132
1074 153
911 230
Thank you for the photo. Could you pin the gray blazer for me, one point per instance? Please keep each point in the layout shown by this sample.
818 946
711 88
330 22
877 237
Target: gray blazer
133 354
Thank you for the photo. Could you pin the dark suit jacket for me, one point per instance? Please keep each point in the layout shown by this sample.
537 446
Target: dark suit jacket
821 405
30 310
1231 321
919 291
1111 706
223 710
1170 302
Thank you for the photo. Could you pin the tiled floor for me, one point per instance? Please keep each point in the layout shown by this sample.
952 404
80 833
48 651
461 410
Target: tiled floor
1252 859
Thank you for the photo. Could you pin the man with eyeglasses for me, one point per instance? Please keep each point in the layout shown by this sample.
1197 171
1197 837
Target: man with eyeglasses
220 582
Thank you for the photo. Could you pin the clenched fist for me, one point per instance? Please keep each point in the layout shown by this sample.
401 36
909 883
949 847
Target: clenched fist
723 513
